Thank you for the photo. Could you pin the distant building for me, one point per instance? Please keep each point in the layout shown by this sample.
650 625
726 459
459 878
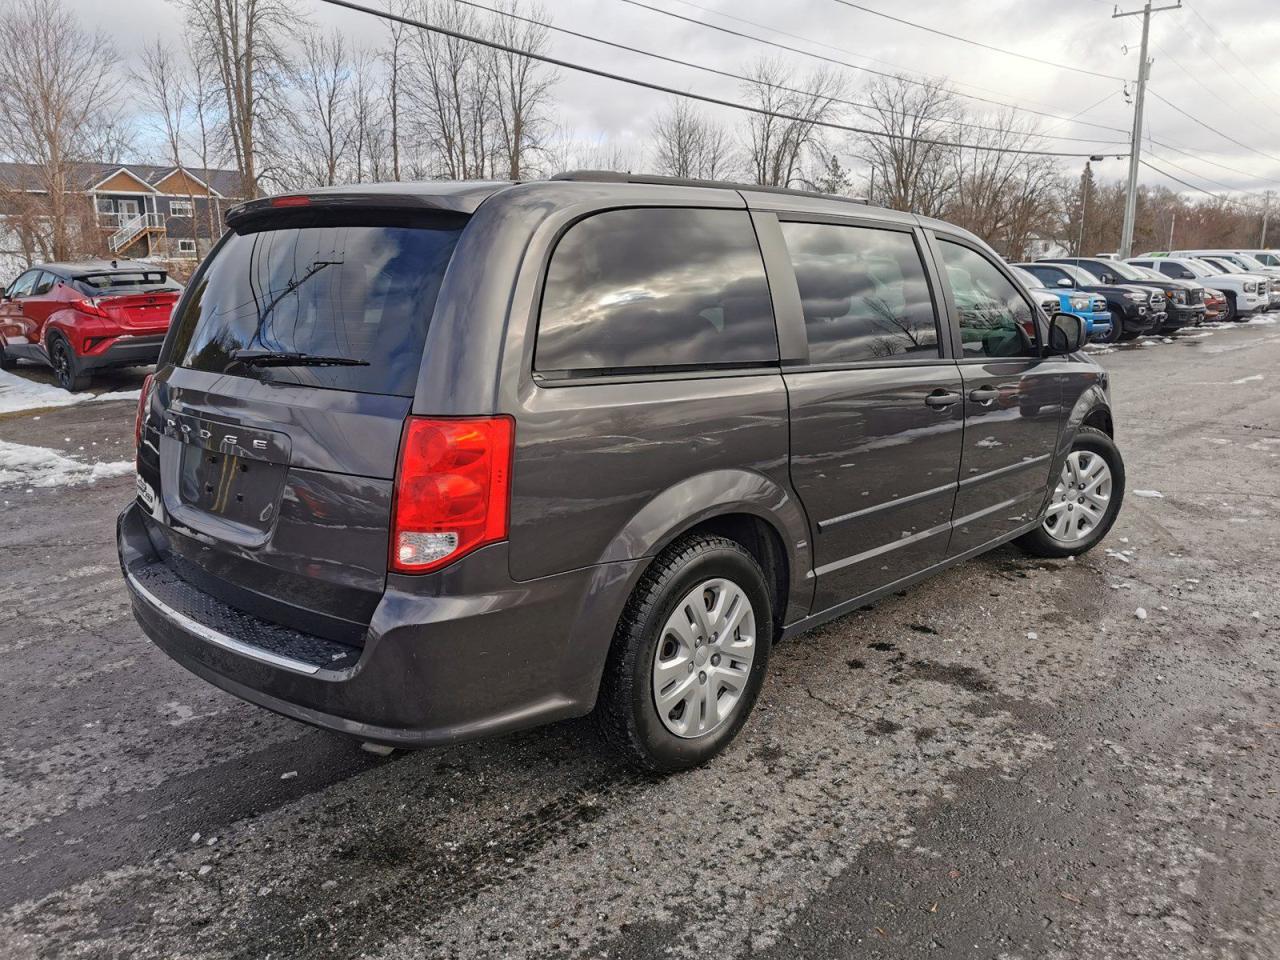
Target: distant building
137 210
1045 247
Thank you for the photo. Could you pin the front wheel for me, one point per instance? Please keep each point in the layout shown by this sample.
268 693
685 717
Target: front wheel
1086 499
1233 312
1117 327
689 656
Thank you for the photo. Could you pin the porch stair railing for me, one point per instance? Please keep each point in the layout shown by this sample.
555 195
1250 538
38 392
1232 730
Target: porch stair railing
134 227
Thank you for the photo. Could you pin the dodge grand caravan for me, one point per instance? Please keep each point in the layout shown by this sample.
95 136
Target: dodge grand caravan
427 462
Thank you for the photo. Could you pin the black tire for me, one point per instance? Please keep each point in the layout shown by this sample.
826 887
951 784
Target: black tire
1129 334
1040 543
1117 328
7 360
626 711
66 366
1233 314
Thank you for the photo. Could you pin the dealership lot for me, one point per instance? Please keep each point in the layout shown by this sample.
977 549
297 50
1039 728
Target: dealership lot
1019 758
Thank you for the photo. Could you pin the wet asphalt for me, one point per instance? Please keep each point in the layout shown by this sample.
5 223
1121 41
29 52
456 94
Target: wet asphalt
1003 762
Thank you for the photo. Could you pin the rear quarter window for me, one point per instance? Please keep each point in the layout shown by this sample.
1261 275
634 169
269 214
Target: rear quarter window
652 289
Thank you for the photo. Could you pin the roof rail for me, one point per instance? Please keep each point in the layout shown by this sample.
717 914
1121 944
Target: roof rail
614 176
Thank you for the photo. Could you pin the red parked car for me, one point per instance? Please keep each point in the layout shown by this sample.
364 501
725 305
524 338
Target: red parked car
82 317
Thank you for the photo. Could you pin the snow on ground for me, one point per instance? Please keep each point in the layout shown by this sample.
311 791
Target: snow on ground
19 393
1149 494
22 465
1256 376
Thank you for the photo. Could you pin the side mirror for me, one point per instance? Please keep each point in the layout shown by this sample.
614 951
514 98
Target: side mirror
1065 282
1066 334
1187 275
1108 278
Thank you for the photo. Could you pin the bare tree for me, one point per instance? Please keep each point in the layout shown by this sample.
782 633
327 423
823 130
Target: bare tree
242 42
373 143
449 88
394 56
687 144
58 90
521 87
322 127
906 174
1000 194
160 78
201 141
778 138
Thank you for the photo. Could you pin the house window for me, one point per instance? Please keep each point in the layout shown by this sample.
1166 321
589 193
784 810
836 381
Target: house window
179 208
186 248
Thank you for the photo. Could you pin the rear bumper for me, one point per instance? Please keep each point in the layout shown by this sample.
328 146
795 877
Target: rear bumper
123 351
457 655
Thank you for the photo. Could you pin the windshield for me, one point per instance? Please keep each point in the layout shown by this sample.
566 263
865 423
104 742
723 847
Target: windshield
1119 269
347 290
1212 266
1028 280
1148 273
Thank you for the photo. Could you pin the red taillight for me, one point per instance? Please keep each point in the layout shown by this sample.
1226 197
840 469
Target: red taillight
90 307
451 490
142 410
291 201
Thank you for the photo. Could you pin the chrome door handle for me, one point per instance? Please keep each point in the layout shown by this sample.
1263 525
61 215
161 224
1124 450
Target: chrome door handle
984 395
942 398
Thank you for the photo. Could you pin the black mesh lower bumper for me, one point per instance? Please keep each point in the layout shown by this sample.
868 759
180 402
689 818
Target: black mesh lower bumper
220 623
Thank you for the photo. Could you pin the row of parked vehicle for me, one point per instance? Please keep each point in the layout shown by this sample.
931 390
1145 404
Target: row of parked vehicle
1157 292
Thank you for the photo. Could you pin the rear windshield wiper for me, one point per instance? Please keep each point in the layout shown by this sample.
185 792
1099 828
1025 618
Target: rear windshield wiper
275 358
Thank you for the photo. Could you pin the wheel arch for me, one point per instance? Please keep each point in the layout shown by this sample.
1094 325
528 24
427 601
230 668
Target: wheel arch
742 505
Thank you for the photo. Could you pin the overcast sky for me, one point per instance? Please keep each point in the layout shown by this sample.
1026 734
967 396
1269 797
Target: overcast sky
1239 94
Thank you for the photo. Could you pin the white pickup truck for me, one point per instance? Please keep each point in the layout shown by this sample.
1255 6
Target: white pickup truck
1244 261
1246 293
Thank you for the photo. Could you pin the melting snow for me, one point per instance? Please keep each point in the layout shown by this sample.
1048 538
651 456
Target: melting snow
1256 376
1149 494
42 467
1140 613
18 394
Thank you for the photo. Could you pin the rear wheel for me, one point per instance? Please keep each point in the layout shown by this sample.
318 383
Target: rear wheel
689 656
7 360
66 366
1086 499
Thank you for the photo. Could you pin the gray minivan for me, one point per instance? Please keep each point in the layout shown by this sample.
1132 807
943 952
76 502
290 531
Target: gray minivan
427 462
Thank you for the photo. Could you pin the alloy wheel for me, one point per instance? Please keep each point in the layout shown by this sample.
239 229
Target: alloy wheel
1080 498
703 660
62 365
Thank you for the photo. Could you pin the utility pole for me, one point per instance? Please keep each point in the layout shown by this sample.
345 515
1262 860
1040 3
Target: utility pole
1266 215
1135 140
1173 219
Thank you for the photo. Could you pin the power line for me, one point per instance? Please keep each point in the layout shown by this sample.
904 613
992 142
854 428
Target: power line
1192 173
1214 130
661 88
978 43
1235 108
853 66
1192 186
1214 33
743 79
863 56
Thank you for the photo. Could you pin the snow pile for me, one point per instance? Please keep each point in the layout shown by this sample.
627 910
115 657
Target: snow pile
134 395
21 465
1259 320
17 393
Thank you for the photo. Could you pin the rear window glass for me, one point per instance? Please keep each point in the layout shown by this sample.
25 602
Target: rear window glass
863 291
647 289
361 292
99 284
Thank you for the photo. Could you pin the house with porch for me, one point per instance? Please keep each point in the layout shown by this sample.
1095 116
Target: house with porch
137 210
